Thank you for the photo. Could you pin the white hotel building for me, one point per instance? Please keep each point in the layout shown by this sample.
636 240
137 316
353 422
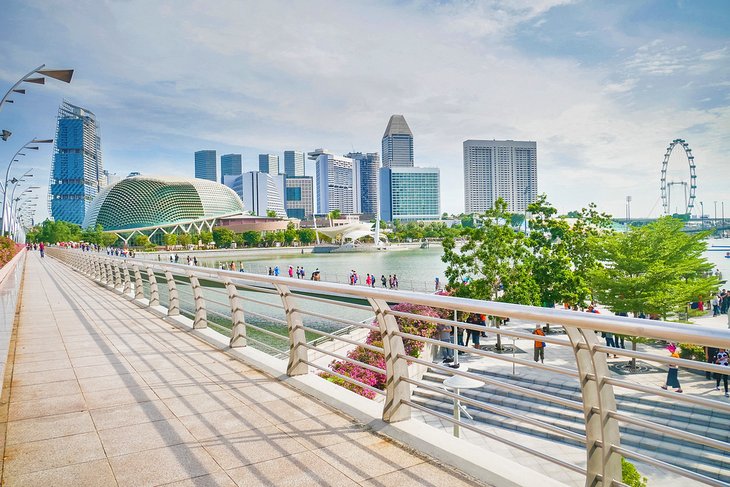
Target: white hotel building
495 169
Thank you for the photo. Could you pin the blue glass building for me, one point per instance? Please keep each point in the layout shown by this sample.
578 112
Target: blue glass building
410 193
76 170
293 163
230 165
368 166
205 165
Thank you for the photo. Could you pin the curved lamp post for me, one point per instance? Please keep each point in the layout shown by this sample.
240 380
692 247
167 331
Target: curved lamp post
28 145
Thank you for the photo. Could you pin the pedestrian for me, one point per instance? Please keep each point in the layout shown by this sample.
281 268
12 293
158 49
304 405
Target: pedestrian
195 261
721 359
539 347
715 305
383 281
291 271
271 271
42 249
276 271
610 342
437 283
444 331
474 319
395 281
673 372
710 356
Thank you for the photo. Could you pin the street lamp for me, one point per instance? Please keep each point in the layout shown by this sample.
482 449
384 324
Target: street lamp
64 75
702 215
28 145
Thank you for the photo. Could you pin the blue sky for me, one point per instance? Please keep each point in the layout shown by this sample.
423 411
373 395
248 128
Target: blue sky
602 87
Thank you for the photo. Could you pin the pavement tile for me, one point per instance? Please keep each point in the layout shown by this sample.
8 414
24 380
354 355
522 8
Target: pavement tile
220 479
25 458
46 407
324 431
129 414
96 384
223 422
42 391
202 403
41 365
144 436
89 474
162 465
289 410
299 470
421 475
115 397
42 377
46 427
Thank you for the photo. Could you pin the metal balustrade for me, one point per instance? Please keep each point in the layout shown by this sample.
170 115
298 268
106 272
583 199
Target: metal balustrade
226 297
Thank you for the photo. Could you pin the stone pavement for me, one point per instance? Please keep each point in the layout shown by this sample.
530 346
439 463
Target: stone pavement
100 392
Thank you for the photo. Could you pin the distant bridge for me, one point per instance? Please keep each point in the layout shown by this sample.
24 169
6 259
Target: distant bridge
692 225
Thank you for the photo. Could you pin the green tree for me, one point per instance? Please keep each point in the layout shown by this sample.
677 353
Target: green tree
59 231
271 214
108 239
289 236
141 240
223 237
307 236
206 237
251 238
184 239
654 269
494 264
94 236
564 252
170 239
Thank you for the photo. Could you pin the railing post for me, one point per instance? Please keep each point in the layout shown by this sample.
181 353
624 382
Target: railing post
154 292
105 271
298 355
201 314
138 285
238 319
117 275
173 308
603 465
396 389
127 290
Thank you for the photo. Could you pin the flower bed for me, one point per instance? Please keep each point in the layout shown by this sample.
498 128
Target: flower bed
377 380
8 249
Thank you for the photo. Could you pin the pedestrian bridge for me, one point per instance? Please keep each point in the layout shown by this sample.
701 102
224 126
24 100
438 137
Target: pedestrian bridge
126 372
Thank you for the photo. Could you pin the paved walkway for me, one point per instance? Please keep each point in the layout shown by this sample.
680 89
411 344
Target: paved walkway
100 392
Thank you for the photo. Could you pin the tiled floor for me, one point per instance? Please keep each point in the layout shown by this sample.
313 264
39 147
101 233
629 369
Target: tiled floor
102 393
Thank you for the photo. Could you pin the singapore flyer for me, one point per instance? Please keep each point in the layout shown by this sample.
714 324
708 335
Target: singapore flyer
689 187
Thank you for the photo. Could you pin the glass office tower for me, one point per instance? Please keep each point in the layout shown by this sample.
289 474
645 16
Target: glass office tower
77 174
230 165
205 165
397 143
293 163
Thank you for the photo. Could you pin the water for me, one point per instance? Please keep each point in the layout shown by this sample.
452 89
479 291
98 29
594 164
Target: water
717 257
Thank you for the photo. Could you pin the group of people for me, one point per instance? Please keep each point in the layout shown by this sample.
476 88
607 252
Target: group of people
720 302
446 334
41 247
299 272
716 356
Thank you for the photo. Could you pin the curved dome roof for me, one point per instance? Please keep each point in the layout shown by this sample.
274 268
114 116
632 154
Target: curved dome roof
156 201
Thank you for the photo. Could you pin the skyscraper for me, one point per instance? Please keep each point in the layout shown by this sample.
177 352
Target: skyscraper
397 143
269 163
504 169
369 164
260 192
410 193
293 163
338 183
299 197
230 165
77 173
205 165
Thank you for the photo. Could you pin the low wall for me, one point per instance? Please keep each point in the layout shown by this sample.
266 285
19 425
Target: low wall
11 276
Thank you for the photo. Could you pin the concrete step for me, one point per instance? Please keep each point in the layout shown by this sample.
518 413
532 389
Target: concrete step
710 463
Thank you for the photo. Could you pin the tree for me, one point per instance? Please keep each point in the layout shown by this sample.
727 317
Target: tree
654 269
333 215
206 237
564 253
289 236
271 214
170 239
307 236
184 239
108 239
94 236
141 240
223 237
494 264
251 238
59 231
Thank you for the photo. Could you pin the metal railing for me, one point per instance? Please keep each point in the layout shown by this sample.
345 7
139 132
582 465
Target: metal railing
602 420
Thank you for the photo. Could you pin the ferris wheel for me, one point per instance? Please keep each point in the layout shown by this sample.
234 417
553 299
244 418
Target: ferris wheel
689 187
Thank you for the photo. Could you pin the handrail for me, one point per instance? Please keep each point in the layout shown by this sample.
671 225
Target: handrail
601 416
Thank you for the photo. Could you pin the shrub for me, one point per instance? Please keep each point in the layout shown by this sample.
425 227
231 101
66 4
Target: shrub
630 476
377 380
8 249
692 352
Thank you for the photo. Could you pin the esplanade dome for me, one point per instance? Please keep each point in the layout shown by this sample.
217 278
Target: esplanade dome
143 202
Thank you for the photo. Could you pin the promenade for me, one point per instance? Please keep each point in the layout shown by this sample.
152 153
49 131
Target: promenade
100 392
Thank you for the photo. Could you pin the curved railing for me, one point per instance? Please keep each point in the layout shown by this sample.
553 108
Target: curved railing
232 302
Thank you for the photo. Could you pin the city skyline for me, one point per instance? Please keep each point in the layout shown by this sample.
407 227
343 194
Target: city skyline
602 115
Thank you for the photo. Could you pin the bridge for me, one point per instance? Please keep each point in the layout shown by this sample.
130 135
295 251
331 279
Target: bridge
692 225
128 372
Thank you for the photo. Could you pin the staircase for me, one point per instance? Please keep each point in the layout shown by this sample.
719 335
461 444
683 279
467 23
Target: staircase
697 458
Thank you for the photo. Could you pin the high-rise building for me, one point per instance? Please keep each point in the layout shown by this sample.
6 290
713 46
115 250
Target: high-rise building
299 197
230 165
205 165
495 169
410 193
259 191
397 143
293 163
338 183
77 173
369 164
269 163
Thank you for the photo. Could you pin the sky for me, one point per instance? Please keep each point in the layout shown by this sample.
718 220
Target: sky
602 87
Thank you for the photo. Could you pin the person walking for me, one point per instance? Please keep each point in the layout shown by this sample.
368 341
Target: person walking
673 372
722 359
539 347
715 305
444 332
